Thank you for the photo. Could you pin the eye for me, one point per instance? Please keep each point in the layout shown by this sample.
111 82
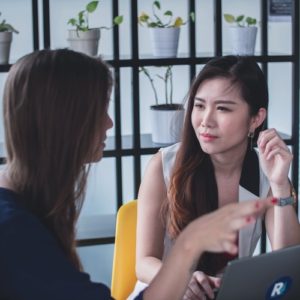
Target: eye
199 105
223 108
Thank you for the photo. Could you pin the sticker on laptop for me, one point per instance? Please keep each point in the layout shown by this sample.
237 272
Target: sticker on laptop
279 288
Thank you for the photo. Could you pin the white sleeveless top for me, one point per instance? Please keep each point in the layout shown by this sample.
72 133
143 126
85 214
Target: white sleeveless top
248 237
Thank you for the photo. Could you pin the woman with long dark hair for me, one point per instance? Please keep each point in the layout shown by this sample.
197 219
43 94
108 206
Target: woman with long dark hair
216 164
55 117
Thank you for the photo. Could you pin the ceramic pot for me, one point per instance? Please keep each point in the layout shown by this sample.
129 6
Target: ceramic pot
84 41
166 123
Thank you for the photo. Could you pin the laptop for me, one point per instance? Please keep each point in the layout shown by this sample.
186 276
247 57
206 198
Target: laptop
270 276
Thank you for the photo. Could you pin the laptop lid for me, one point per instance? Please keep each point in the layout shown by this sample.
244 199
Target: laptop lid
270 276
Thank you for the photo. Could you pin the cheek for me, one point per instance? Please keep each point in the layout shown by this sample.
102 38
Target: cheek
237 126
195 119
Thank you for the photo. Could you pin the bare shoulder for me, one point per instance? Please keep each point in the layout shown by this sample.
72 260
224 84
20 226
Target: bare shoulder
153 180
154 169
155 162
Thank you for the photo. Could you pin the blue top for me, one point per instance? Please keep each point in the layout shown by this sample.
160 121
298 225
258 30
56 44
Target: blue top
32 264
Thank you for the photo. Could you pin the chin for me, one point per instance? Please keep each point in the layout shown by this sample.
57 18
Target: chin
96 157
209 150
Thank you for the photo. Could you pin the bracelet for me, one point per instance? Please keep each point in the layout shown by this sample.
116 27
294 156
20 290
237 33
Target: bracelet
286 201
291 200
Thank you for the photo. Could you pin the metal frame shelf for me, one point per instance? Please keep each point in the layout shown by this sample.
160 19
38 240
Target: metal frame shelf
139 144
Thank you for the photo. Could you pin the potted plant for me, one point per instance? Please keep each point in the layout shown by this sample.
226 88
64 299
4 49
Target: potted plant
166 118
242 34
164 34
6 34
83 38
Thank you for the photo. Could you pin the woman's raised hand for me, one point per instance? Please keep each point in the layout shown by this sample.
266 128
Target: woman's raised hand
275 157
217 231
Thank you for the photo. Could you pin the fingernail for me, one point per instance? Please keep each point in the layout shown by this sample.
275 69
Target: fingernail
274 200
257 204
248 219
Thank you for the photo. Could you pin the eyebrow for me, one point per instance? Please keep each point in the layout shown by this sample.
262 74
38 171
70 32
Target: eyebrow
217 101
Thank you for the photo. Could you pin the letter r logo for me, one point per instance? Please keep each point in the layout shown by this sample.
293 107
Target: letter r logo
278 289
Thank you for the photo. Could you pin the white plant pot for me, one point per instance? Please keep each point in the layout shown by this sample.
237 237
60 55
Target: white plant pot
5 43
243 40
166 124
84 41
164 41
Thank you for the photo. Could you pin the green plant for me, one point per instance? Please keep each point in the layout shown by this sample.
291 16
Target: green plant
156 21
167 78
82 21
7 27
240 21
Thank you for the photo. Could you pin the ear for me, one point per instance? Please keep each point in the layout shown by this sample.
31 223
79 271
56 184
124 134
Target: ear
258 119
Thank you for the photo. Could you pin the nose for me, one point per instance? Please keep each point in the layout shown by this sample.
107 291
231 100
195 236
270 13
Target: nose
109 122
207 118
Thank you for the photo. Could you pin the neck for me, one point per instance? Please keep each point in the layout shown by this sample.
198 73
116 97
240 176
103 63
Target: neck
229 163
5 181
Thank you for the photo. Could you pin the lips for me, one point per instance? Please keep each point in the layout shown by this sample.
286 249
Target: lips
207 137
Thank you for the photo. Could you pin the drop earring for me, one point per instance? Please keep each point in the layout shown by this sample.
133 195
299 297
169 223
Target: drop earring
251 136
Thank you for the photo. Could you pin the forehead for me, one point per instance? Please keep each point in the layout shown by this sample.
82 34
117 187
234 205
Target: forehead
219 89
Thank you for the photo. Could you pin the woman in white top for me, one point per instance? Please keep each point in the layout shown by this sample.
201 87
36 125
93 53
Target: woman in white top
214 165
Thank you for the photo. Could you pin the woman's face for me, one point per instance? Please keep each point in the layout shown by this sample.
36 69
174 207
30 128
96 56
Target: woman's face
221 118
106 123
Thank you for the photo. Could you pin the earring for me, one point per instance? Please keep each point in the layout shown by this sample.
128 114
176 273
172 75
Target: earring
251 136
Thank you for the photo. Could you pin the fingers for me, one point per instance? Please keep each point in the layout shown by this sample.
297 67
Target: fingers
201 286
270 144
194 292
254 207
285 154
191 295
268 135
247 212
215 281
222 225
229 247
205 283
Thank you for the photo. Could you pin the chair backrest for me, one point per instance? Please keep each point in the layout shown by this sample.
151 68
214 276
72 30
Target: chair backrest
123 272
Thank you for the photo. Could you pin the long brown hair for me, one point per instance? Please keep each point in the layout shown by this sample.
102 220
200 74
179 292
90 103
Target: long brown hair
193 189
54 101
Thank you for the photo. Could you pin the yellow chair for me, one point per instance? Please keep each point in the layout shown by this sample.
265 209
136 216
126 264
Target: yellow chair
123 272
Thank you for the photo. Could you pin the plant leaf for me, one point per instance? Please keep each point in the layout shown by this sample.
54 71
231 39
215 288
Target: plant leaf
7 27
80 15
118 20
91 7
143 18
229 18
10 28
192 16
239 18
168 13
250 21
153 24
157 4
72 22
178 22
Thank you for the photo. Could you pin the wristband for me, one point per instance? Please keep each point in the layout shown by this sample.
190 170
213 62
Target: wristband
291 200
286 201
